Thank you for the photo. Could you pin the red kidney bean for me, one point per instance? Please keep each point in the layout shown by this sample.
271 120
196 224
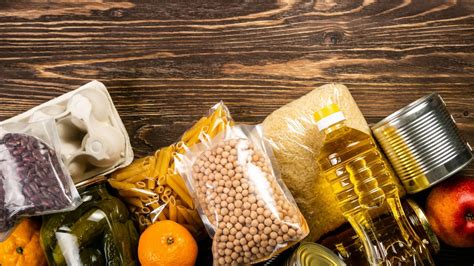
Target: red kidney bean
41 178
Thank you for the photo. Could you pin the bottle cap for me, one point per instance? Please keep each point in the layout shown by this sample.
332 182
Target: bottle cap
328 116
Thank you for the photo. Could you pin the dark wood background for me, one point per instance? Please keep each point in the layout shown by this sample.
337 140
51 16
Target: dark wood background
166 62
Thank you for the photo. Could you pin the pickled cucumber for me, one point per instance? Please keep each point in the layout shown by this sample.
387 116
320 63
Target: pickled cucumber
86 229
126 242
111 251
91 257
48 229
132 231
115 209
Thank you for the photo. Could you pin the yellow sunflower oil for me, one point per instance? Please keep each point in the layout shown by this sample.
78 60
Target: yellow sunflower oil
361 181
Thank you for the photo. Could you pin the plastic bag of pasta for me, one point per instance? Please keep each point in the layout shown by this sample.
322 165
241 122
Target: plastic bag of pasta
246 209
154 190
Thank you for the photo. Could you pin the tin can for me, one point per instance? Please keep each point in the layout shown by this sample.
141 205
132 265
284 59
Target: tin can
311 254
423 143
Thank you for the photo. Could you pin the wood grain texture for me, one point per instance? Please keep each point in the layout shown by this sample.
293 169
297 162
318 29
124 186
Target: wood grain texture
166 62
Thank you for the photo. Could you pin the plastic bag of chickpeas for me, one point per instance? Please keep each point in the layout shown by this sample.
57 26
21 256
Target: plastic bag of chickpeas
246 208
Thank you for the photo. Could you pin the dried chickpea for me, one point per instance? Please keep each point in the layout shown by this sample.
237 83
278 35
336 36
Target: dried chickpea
249 225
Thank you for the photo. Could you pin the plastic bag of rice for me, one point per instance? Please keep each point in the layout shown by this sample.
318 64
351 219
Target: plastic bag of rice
296 141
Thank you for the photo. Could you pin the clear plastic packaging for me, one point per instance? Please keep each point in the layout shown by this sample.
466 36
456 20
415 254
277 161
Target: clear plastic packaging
33 179
153 189
296 142
246 209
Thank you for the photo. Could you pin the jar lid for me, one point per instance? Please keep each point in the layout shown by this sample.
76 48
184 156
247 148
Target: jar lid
91 181
423 221
312 254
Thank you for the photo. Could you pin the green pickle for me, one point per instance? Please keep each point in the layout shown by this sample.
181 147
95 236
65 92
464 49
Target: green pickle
91 257
50 224
98 232
114 209
132 232
86 229
111 251
124 242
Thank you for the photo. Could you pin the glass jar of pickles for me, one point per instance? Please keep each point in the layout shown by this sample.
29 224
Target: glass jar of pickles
98 232
347 245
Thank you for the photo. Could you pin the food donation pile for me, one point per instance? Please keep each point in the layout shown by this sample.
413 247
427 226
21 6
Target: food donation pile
308 185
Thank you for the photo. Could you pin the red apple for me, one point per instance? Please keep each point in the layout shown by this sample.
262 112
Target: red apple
450 211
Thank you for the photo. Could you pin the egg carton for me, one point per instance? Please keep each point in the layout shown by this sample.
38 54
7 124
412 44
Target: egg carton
93 139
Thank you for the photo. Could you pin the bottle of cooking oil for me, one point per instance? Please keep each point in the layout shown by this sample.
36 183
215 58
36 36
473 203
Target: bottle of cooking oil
361 181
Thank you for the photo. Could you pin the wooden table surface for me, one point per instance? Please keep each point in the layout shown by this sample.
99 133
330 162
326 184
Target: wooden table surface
166 62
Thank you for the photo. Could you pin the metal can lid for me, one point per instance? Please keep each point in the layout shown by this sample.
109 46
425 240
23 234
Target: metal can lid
91 181
402 112
312 254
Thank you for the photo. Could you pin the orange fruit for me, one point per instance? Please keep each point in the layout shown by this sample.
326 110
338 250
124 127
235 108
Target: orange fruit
167 243
23 247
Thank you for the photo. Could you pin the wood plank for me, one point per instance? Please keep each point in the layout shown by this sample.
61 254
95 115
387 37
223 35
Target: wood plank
165 63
